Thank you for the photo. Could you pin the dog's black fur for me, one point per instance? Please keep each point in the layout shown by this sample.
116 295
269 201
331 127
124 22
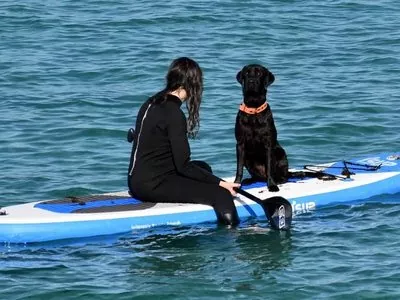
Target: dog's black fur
257 146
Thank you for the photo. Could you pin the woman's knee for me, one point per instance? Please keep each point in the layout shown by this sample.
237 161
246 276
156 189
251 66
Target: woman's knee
225 208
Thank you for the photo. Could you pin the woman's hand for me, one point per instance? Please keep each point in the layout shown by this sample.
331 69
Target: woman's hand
229 186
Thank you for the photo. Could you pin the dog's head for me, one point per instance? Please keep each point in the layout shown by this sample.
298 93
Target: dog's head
254 80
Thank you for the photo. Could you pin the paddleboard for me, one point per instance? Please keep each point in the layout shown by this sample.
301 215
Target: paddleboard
79 217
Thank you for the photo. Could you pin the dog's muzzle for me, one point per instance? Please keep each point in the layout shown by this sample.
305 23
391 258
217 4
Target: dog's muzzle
252 85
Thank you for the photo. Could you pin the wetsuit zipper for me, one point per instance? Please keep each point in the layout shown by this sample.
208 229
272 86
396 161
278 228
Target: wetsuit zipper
138 139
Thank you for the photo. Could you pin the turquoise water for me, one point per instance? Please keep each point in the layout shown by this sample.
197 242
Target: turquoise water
73 74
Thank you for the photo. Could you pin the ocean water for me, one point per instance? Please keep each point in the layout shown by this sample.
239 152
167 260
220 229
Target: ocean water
73 75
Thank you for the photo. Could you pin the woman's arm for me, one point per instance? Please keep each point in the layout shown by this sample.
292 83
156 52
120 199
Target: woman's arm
177 133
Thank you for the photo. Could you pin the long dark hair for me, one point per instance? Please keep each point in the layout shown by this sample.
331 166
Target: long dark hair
186 73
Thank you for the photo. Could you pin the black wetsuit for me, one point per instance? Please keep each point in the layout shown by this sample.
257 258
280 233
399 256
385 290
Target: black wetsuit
160 169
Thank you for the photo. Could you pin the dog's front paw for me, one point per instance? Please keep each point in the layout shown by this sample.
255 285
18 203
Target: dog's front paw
273 188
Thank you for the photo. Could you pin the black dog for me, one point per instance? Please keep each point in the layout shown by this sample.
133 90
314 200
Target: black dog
257 146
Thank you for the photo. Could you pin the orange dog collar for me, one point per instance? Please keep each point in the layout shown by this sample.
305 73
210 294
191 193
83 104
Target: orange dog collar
251 110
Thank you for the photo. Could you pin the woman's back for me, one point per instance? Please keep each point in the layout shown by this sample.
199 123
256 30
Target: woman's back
156 124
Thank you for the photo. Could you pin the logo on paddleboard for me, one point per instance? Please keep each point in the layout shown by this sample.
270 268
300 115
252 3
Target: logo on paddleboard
281 215
302 208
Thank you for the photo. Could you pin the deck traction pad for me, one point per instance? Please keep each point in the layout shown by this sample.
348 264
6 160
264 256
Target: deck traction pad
94 204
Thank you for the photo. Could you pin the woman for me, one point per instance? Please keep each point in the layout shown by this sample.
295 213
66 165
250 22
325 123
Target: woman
160 168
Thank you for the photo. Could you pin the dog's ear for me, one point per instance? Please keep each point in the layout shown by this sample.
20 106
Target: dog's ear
270 78
239 77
